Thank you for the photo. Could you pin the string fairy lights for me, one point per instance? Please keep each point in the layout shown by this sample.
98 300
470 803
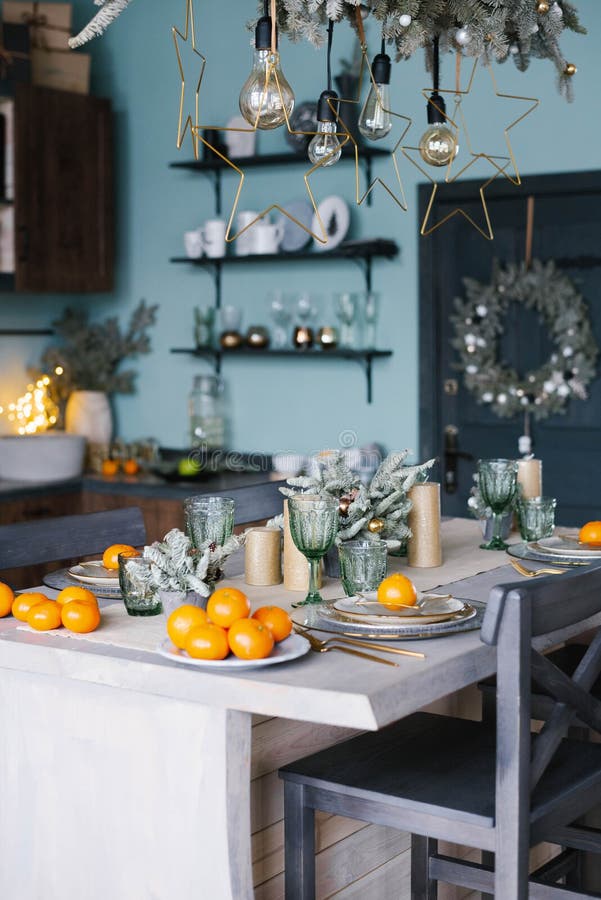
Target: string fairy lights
35 411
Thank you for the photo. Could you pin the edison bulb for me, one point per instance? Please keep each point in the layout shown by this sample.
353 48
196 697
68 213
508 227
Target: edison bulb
438 145
266 101
375 121
325 148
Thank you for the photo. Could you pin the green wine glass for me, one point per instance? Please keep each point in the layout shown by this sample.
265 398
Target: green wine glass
313 526
497 479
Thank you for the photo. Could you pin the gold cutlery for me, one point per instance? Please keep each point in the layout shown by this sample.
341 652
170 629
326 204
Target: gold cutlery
528 573
301 629
323 647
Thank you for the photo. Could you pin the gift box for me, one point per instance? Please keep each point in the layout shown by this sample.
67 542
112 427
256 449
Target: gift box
49 23
15 62
62 70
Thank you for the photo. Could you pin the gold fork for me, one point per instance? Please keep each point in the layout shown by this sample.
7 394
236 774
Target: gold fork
322 647
353 642
528 573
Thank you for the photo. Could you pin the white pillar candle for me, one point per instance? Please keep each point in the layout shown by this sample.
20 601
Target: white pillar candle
530 477
424 548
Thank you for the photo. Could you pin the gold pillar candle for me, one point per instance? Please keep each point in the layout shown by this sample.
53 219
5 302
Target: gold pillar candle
423 548
530 477
263 557
296 564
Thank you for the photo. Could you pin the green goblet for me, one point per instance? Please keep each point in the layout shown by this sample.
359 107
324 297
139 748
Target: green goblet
313 526
498 485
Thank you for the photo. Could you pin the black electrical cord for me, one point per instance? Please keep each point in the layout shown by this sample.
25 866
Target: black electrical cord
265 7
330 36
436 63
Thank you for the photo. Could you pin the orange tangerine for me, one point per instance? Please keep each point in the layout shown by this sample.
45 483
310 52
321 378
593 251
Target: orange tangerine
110 557
80 617
182 620
24 602
44 616
7 598
207 641
276 619
74 592
227 605
397 590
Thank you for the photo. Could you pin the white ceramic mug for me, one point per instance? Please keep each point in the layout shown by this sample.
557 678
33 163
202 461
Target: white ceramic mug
193 244
267 237
212 235
244 245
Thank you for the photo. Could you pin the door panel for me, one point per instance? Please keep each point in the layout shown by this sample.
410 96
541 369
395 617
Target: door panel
568 230
64 191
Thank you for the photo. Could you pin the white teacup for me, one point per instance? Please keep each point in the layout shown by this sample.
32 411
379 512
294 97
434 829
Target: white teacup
244 245
267 237
193 244
212 235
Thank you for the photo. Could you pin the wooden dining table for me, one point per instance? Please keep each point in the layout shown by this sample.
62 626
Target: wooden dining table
128 776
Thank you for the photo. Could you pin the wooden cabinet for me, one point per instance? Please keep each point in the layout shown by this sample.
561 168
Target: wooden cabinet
64 231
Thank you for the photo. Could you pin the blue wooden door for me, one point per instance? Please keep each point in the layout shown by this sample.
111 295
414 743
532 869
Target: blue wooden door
567 229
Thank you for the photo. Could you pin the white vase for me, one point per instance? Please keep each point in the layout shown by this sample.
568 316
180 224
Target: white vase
170 600
89 413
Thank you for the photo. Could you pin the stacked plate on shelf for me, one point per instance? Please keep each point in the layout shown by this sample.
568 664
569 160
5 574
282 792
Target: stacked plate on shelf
565 549
362 616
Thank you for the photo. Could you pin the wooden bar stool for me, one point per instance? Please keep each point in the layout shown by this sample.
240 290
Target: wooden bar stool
441 778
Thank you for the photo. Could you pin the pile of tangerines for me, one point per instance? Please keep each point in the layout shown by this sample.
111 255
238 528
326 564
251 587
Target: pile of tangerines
75 607
228 627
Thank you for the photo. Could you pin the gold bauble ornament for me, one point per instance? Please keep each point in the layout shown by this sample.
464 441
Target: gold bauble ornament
375 526
343 506
542 7
570 69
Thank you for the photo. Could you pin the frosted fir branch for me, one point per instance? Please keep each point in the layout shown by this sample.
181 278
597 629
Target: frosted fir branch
108 12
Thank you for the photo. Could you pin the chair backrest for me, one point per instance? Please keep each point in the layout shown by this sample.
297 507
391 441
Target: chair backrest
69 537
515 614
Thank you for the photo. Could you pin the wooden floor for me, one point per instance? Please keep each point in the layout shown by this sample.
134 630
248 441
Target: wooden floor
355 860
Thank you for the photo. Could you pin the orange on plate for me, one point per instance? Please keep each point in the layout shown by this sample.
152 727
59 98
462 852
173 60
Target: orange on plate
276 619
80 617
7 598
182 620
591 534
227 605
110 557
24 602
397 590
249 639
74 592
45 616
207 641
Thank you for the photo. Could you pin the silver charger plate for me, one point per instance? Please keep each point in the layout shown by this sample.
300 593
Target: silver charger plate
319 618
524 550
60 579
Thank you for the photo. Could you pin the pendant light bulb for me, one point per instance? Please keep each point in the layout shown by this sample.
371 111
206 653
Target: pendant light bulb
266 101
325 149
375 120
438 144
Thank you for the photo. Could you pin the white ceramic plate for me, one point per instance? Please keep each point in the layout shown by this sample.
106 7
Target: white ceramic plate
293 647
336 218
94 573
565 547
294 237
436 609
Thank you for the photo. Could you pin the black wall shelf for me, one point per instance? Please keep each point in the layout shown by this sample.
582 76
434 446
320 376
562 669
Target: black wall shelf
360 252
213 166
364 357
25 332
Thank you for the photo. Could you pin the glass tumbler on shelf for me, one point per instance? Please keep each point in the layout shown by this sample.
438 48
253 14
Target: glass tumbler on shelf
362 565
140 596
206 413
313 526
537 517
371 305
281 312
497 479
209 520
345 307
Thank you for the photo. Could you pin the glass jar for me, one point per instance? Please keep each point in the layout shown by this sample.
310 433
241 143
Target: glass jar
207 419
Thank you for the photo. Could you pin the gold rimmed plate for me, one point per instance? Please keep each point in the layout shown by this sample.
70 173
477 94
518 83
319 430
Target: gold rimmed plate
566 546
94 572
427 610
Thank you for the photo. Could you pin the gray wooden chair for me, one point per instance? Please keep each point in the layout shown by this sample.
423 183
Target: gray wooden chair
66 537
460 781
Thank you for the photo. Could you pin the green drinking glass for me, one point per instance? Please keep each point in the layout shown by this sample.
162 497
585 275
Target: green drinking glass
140 596
313 526
498 486
209 520
362 565
537 517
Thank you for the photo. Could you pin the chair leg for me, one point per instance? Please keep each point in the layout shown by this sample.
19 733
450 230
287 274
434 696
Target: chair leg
422 886
487 859
299 828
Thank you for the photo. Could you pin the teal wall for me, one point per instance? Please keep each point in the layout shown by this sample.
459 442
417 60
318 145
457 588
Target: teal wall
288 404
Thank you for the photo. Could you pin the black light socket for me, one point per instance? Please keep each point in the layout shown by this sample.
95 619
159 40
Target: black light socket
381 68
325 112
436 109
263 34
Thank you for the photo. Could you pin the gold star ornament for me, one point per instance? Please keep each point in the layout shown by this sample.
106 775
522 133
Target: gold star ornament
189 121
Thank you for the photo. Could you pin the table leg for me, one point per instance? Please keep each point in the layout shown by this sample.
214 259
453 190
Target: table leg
113 794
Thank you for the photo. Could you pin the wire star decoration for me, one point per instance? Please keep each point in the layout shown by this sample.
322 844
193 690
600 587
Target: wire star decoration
188 38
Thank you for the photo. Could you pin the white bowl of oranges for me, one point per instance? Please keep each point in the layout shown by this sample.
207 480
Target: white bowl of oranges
226 635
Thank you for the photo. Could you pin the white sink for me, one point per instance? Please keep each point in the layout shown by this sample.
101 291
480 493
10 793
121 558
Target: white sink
53 456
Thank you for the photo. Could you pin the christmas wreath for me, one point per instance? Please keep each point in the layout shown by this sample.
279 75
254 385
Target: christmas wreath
479 322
